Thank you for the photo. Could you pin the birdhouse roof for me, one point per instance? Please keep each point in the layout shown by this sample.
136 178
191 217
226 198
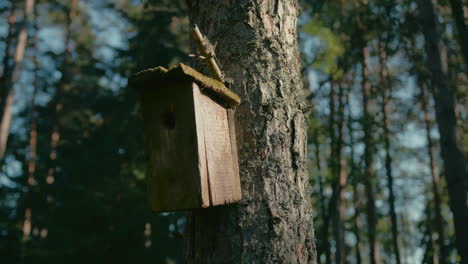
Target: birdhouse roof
148 78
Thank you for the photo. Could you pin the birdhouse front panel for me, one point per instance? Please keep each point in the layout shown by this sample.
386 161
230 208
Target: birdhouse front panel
190 140
170 147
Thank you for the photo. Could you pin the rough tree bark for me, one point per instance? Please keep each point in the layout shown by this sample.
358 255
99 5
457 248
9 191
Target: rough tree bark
385 93
439 222
443 92
257 49
7 97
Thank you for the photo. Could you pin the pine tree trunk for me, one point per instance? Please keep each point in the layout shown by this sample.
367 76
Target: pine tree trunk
462 29
430 254
57 100
435 179
355 180
257 48
443 92
33 121
323 242
27 222
8 96
386 95
341 182
330 214
7 56
368 161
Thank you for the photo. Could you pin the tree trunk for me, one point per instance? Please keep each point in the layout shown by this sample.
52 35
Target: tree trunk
430 255
462 29
257 47
324 244
27 223
386 96
330 214
340 174
368 160
7 57
57 100
443 92
435 178
354 180
8 96
33 121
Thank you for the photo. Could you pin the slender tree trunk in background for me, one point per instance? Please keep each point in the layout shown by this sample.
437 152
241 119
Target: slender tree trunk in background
8 97
339 208
435 178
385 89
430 254
7 57
330 214
257 47
334 165
462 29
443 92
58 104
7 67
354 180
33 121
332 125
27 223
368 160
405 249
324 243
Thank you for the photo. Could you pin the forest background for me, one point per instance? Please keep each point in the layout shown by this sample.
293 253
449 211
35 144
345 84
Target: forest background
72 182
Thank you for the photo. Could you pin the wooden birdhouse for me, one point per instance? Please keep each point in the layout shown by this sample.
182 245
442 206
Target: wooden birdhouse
190 139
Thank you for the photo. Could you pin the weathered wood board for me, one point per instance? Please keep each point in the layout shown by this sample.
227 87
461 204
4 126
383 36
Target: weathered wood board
219 171
171 148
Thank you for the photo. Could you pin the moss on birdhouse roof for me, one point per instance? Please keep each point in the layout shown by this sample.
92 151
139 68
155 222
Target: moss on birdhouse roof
148 78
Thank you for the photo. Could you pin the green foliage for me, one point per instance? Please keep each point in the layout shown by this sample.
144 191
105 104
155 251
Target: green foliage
331 47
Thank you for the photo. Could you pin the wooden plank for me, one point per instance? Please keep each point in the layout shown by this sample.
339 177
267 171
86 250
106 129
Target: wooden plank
171 148
202 162
235 160
223 176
